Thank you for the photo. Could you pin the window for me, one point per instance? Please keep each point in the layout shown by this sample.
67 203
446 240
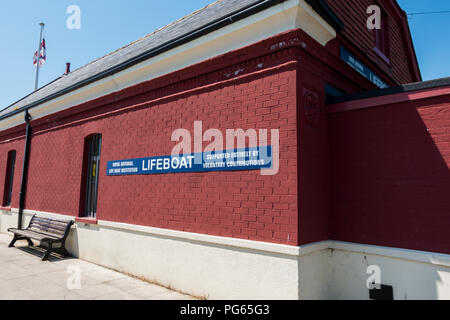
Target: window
9 178
382 37
92 157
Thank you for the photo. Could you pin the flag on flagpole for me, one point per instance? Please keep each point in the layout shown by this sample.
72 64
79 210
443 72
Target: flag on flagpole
42 55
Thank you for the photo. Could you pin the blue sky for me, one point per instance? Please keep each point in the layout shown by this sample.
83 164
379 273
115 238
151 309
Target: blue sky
431 36
107 25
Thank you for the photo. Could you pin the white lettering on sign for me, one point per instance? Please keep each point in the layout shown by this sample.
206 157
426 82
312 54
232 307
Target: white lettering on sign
166 164
185 139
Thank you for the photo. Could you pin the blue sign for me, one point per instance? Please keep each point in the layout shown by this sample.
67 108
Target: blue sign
240 159
362 69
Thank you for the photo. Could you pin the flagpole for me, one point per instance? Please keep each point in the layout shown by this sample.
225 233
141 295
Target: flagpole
36 83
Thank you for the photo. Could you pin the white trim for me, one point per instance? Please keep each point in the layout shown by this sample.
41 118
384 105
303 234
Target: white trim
289 15
433 258
197 237
181 235
438 259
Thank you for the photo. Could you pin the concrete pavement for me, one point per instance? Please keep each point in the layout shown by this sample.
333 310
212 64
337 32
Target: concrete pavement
23 276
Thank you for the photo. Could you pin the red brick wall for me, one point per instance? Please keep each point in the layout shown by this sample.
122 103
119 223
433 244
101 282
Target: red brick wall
16 144
361 40
236 204
314 171
260 87
391 177
55 169
254 87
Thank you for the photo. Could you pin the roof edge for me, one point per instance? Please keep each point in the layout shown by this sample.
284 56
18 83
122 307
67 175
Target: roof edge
322 8
407 37
416 86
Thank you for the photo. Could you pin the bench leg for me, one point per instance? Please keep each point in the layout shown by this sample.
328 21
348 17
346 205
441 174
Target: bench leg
65 253
30 243
47 253
13 241
62 250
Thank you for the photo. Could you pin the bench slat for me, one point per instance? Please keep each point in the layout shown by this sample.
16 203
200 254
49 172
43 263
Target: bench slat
34 235
51 226
42 227
51 220
49 232
49 223
48 227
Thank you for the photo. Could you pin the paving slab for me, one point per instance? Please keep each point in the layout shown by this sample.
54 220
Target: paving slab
23 276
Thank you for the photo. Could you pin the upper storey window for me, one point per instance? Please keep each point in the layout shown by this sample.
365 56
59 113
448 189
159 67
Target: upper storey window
382 37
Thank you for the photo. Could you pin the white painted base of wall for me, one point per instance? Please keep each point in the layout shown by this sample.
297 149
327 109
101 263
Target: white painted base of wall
224 268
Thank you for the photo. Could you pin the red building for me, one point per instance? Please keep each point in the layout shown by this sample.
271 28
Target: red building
363 177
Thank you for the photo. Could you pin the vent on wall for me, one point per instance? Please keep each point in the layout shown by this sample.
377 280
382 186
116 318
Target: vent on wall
384 293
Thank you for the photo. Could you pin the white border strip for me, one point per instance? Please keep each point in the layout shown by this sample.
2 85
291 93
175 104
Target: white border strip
396 253
181 235
197 237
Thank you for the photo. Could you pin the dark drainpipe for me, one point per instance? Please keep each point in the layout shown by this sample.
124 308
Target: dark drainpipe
26 156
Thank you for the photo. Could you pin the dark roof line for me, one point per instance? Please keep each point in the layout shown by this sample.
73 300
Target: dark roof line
431 84
322 8
30 94
415 61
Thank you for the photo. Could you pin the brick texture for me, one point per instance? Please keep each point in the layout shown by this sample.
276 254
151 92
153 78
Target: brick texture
391 177
139 123
362 40
256 87
18 145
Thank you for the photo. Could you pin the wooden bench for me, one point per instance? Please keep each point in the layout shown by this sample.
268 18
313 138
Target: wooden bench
47 231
